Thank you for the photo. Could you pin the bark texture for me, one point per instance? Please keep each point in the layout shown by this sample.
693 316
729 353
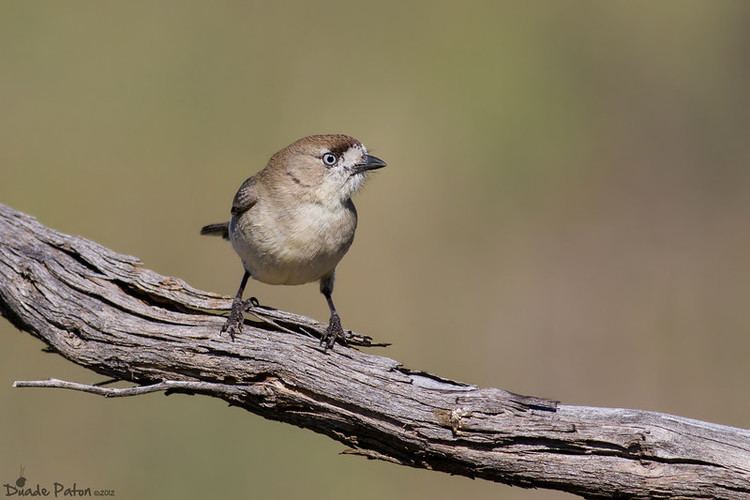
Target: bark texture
104 311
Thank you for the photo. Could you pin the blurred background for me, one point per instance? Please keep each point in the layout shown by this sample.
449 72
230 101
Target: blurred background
564 214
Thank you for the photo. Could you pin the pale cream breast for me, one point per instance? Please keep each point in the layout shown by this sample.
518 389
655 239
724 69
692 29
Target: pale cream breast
296 244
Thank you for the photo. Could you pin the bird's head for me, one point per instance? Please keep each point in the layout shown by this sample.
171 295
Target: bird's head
329 168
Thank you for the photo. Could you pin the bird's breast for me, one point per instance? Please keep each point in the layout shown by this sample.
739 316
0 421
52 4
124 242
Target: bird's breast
293 244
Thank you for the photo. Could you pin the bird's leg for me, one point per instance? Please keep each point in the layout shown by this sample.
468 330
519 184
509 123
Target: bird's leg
334 330
234 322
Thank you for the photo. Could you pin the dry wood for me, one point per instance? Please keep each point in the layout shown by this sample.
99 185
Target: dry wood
104 311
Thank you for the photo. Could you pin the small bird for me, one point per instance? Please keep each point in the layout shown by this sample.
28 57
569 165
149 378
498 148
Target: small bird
292 222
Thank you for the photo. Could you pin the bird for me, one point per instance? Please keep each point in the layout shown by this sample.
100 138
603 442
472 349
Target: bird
293 221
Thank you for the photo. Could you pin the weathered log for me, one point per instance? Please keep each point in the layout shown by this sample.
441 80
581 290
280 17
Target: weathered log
104 311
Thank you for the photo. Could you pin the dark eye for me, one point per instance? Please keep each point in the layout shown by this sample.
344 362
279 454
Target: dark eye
329 159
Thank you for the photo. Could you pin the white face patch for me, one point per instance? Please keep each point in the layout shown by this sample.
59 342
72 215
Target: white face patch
350 159
342 179
353 155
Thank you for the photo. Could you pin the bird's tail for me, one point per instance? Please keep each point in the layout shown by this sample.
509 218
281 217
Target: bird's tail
220 229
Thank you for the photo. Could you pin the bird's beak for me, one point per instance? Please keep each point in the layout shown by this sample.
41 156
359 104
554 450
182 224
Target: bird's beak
371 163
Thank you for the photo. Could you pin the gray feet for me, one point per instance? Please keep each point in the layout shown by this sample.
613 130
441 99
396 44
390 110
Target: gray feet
332 333
233 326
236 318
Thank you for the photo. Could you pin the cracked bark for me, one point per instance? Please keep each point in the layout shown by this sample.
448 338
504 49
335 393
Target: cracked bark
104 311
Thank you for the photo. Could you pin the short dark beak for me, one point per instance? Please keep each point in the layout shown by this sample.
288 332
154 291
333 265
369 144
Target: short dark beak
371 163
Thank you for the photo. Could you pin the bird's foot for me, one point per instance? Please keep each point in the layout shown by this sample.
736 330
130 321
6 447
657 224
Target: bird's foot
250 303
332 333
236 318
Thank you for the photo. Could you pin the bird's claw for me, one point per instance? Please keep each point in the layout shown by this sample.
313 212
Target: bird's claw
234 323
333 333
250 303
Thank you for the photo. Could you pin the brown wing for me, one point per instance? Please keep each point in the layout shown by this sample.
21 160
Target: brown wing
245 197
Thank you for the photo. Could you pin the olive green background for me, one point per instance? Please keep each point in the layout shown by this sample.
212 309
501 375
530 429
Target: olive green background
564 214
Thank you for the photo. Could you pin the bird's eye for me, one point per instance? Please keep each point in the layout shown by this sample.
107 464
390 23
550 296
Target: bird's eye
329 159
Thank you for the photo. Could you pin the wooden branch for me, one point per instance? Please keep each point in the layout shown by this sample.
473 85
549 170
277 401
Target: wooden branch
104 311
121 392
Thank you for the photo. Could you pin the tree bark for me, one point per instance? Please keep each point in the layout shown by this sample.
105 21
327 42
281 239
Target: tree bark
104 311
